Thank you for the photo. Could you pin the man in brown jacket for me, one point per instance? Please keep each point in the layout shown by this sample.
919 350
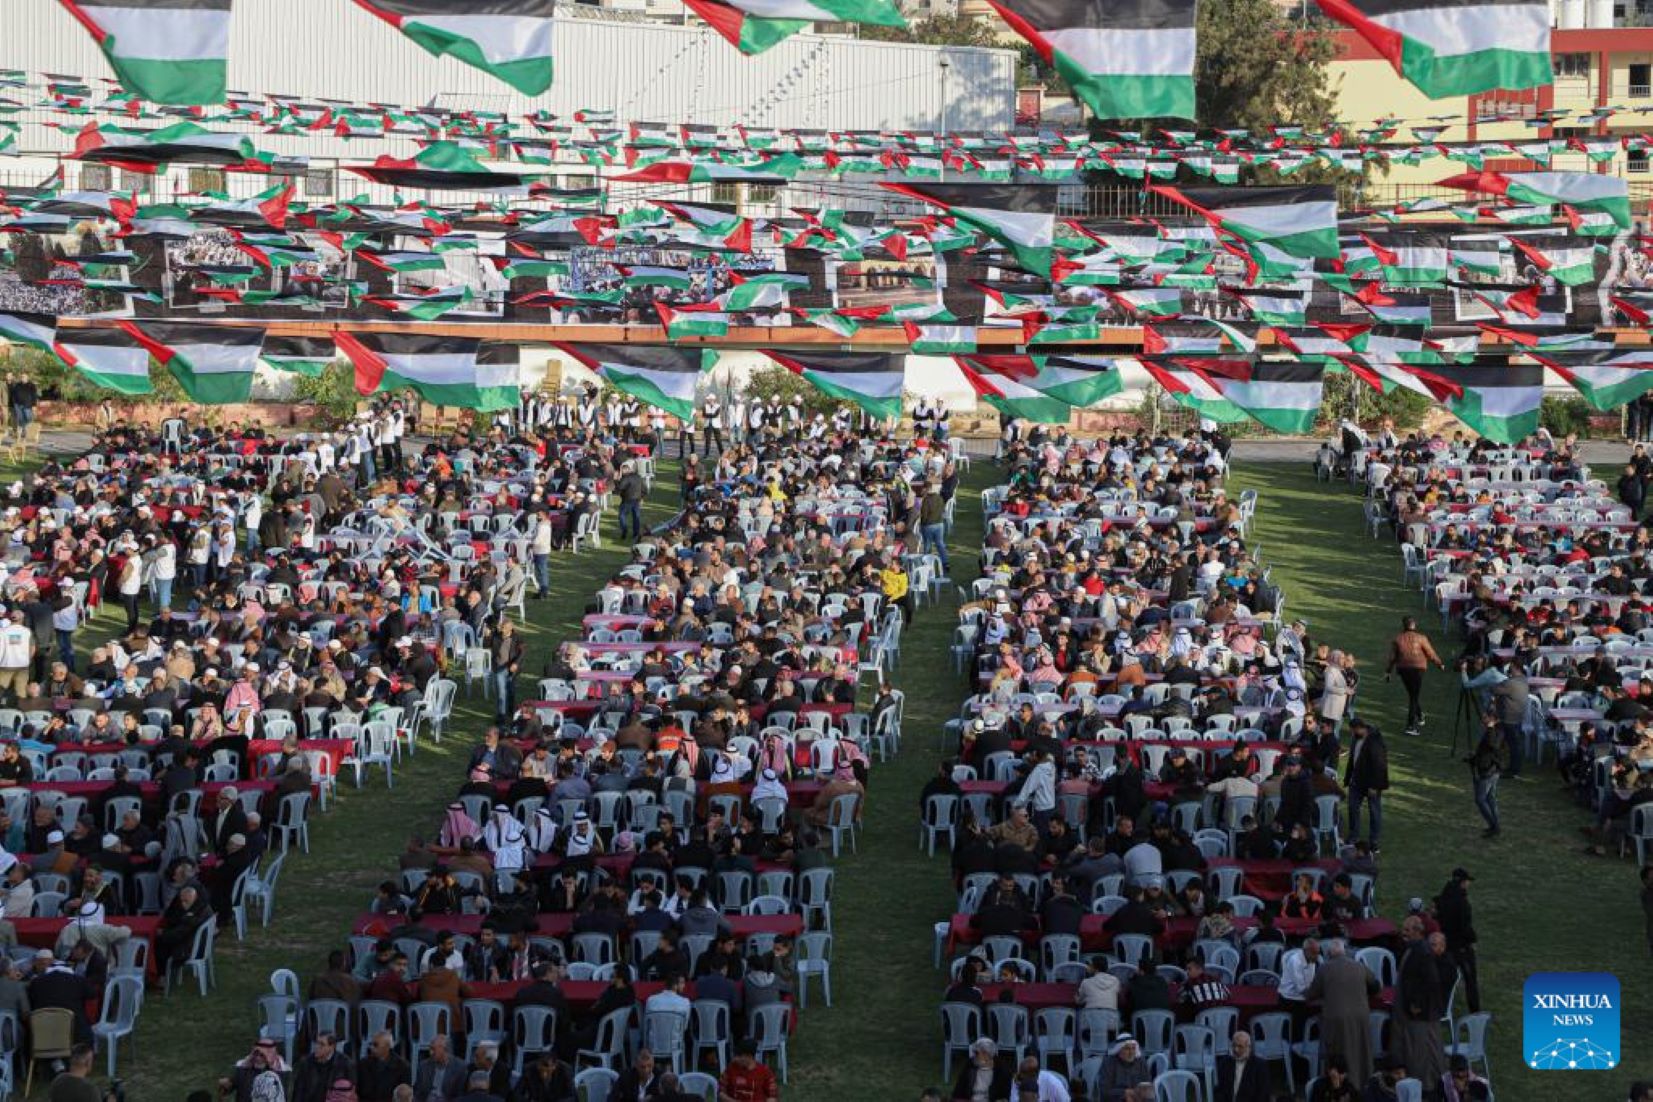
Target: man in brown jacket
1410 654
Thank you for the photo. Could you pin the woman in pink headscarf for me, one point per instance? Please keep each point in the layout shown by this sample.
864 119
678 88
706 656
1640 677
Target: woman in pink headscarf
457 825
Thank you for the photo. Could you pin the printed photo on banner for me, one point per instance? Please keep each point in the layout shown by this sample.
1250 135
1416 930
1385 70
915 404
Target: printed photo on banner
1513 269
886 281
210 273
465 272
61 273
670 276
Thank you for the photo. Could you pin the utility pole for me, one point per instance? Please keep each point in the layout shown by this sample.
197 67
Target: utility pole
943 64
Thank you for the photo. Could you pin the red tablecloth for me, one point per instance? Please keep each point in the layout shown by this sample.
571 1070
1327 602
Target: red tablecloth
1272 879
562 924
151 790
336 749
1179 932
1248 1000
42 933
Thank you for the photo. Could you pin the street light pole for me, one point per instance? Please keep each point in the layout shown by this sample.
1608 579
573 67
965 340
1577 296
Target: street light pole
944 64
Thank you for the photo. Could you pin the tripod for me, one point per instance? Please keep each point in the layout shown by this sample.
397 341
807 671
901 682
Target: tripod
1467 723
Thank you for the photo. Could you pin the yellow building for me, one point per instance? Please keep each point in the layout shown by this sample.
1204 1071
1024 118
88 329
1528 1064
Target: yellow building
1609 66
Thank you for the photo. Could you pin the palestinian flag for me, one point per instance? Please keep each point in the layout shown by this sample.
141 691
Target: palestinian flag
146 150
678 279
698 172
1482 258
1608 379
1313 345
1059 330
658 375
751 291
1455 47
1148 302
443 370
498 377
166 51
1590 223
1410 257
752 26
403 262
1583 191
1299 221
429 307
508 39
1571 266
1499 401
1282 396
940 340
1395 309
1160 342
30 330
310 356
108 357
722 224
439 166
1126 59
215 364
1274 307
1077 380
1012 397
683 321
1021 217
276 254
872 380
1189 386
1546 342
833 321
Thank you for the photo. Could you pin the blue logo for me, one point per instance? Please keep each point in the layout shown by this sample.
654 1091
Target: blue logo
1570 1021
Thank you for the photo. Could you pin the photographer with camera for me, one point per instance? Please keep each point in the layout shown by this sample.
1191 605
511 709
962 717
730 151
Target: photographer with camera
1486 764
1502 692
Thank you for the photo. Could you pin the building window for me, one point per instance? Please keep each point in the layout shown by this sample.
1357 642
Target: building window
1636 161
1640 76
96 177
762 193
726 193
318 183
579 183
141 183
206 179
1571 65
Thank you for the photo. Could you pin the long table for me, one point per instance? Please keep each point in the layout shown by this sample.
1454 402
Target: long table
1250 1000
561 924
1179 931
42 933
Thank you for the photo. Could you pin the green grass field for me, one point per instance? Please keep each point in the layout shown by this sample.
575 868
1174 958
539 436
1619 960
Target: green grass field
1541 906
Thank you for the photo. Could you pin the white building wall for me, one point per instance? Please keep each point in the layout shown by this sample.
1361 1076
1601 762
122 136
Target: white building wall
320 49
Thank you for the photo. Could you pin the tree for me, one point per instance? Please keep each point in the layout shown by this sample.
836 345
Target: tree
333 392
1253 70
940 30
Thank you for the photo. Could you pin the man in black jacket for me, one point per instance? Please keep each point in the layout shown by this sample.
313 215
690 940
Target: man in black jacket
640 1080
320 1069
1457 919
1241 1077
1365 778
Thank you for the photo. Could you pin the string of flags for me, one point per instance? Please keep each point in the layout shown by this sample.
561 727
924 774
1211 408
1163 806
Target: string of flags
1495 394
1130 59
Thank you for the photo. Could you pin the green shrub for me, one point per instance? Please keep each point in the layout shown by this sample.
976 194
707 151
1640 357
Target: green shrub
1565 416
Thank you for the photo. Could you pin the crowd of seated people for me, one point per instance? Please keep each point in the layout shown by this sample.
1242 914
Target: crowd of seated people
647 847
1546 570
1146 806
